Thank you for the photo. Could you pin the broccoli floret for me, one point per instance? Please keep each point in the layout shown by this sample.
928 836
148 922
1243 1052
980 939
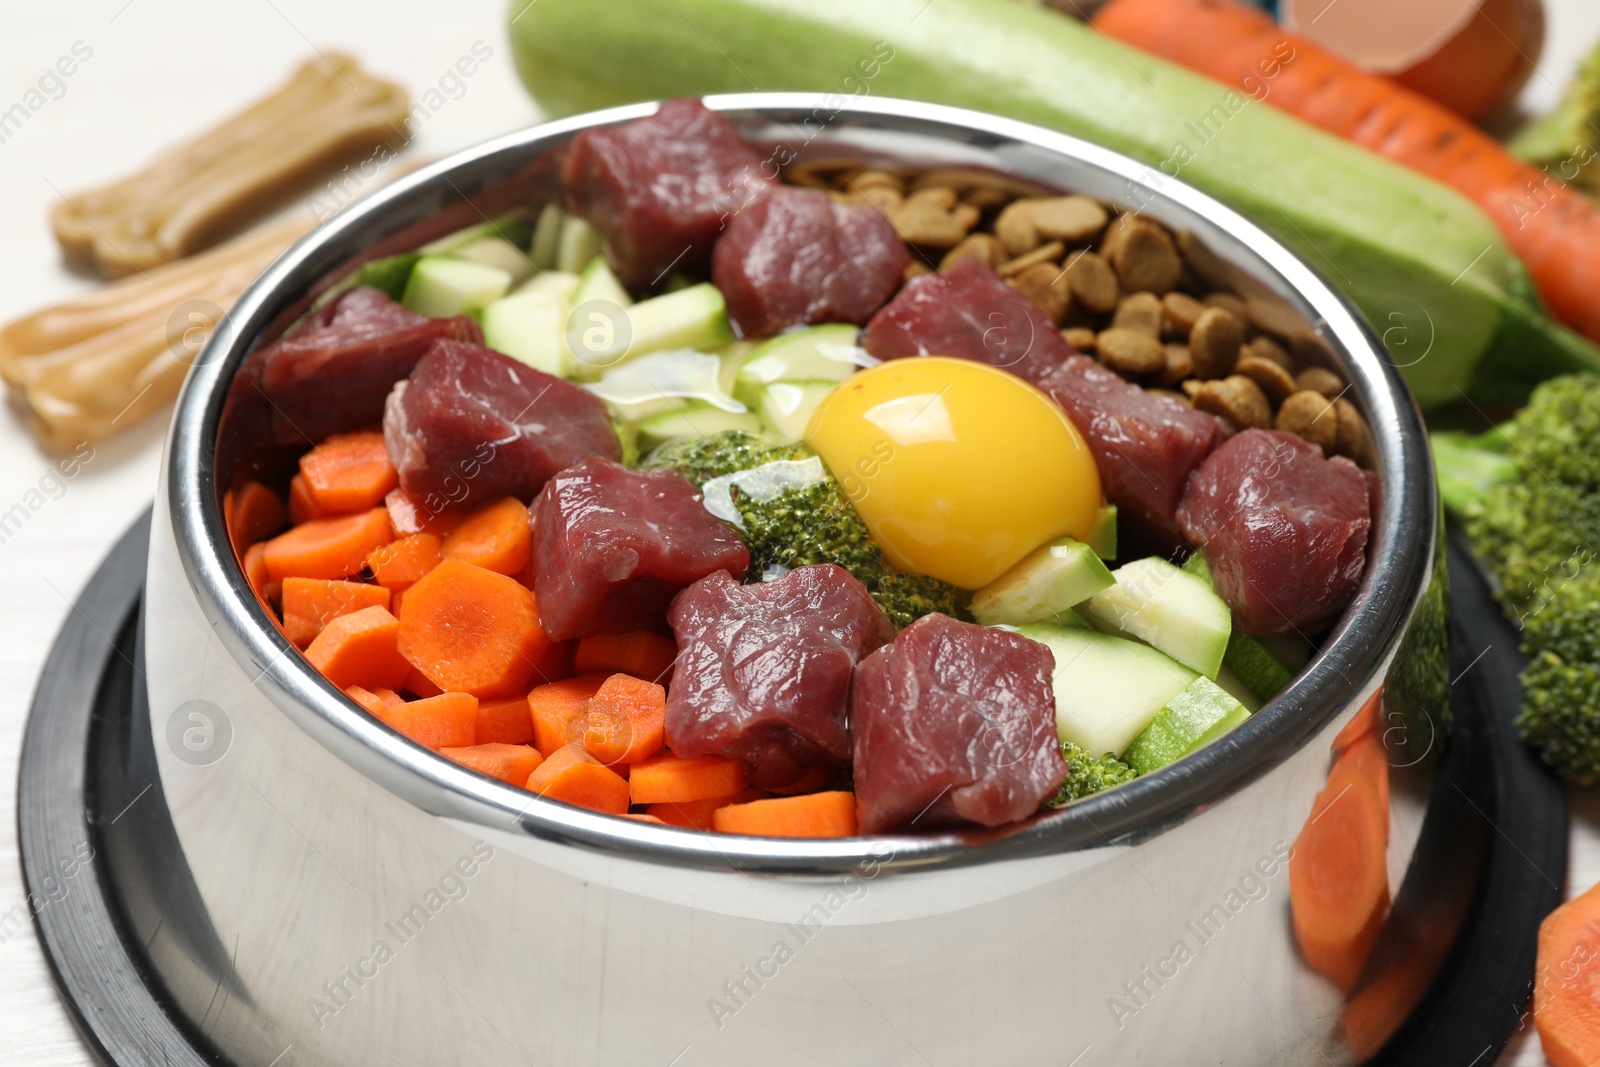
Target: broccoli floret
801 517
1561 715
1532 532
1565 139
1087 775
1566 621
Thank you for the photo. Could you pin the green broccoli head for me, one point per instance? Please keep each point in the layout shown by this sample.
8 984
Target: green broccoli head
1565 619
1561 715
1532 533
1088 774
1553 438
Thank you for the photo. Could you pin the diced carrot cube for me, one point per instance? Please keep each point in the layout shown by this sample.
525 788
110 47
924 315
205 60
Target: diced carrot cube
328 548
507 721
557 710
361 649
401 564
831 814
497 538
572 775
309 604
642 654
349 472
668 778
509 763
625 720
445 721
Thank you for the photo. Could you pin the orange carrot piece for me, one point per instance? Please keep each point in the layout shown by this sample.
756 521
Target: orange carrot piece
1566 994
417 684
401 564
696 814
625 721
252 513
572 775
642 654
349 472
508 721
1552 227
309 604
360 649
669 778
509 763
301 507
375 701
255 572
496 538
445 721
813 781
831 814
328 548
1338 873
410 516
557 711
472 630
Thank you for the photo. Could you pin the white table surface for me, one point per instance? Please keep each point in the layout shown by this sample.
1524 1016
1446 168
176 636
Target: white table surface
161 69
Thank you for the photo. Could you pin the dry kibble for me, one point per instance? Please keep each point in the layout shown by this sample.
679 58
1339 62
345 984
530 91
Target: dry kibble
1237 399
1354 441
1320 380
1018 235
1215 342
1312 416
1229 302
1276 382
933 218
880 178
986 197
1094 284
1139 311
1274 318
1181 312
1180 365
1047 253
1191 387
1079 337
1044 285
1074 219
882 197
1310 350
981 246
1204 264
1130 351
1268 349
1143 256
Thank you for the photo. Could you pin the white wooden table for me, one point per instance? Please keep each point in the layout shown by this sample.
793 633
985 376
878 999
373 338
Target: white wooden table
157 71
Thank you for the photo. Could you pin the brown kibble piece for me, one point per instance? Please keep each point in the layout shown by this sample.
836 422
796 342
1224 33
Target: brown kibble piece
189 194
986 197
1312 416
1014 226
1320 380
1139 311
1354 441
1268 349
1191 387
1310 350
933 218
1215 342
1093 282
1180 365
1079 337
980 246
1143 256
1205 265
1074 219
1229 302
1047 253
1237 399
1274 318
827 173
1276 382
1130 351
1181 311
1044 285
869 178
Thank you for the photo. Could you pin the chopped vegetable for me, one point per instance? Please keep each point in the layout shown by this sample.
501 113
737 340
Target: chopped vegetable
496 538
506 721
642 654
558 709
348 472
511 764
252 513
624 721
328 548
309 604
572 775
697 814
471 630
448 720
813 815
401 564
361 648
1566 1001
672 779
1088 774
1565 142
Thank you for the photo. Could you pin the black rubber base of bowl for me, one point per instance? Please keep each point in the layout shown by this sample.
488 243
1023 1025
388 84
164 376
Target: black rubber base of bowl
87 781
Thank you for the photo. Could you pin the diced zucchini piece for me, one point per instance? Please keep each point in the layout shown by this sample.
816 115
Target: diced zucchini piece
1168 609
661 382
530 326
1104 538
820 353
786 407
1265 667
1196 565
579 244
733 357
498 252
391 273
1194 718
1046 582
1108 689
694 419
512 228
695 318
1237 689
559 283
547 237
442 286
597 282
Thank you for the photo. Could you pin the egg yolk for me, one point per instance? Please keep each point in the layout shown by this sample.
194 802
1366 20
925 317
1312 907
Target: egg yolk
958 469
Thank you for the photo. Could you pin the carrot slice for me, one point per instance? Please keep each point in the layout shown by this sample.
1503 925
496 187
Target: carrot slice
557 711
328 548
1566 990
696 814
417 684
445 721
410 516
509 763
496 538
625 720
301 507
360 649
349 472
376 701
831 814
401 564
813 781
572 775
1338 873
508 722
252 513
255 572
309 604
668 778
642 654
471 630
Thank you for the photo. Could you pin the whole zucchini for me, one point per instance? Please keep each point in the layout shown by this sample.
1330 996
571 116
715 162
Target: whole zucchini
1424 264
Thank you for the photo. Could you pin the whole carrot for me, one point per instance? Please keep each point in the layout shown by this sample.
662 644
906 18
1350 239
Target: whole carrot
1554 230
